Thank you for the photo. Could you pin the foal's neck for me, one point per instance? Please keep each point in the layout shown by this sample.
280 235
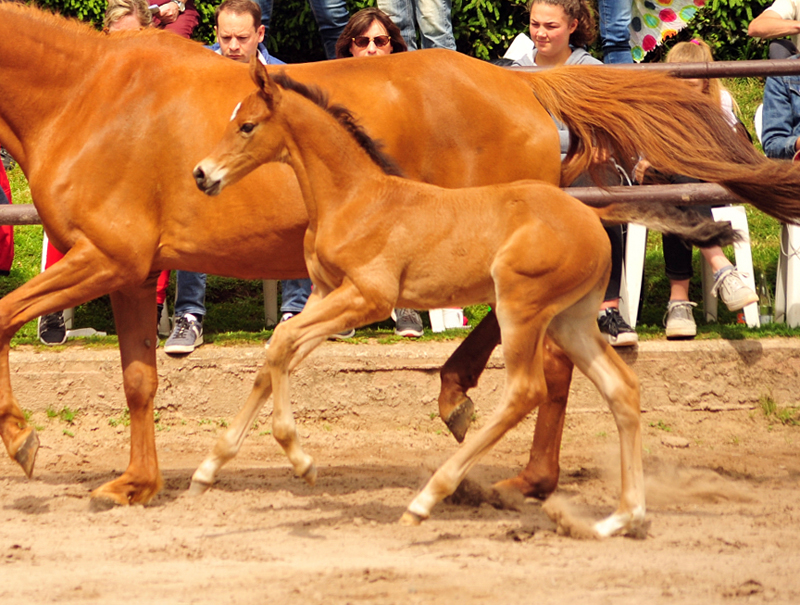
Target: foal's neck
331 166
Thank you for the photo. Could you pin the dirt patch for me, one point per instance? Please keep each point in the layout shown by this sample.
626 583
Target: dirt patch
722 493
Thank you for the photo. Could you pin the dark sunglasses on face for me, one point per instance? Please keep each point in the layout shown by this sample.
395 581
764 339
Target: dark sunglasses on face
363 41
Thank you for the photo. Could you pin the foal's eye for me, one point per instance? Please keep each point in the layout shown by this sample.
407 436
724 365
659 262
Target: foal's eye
247 127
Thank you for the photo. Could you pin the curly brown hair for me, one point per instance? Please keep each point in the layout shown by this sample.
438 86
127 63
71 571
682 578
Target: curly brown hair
360 22
586 31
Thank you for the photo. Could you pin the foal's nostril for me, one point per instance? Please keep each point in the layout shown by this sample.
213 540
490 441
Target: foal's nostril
199 175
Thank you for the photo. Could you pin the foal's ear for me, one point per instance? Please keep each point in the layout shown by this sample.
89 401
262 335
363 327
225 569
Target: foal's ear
259 75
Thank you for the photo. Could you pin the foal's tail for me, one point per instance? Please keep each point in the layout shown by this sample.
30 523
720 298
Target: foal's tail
691 226
631 114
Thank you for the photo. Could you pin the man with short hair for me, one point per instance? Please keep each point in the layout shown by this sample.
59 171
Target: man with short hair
239 37
781 19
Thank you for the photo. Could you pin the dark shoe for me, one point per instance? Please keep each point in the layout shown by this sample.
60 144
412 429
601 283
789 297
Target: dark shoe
8 162
186 336
52 330
615 329
408 323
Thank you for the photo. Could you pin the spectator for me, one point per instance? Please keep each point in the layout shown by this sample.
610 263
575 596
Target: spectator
778 21
240 35
124 15
560 30
371 33
120 15
433 17
178 16
331 17
6 231
615 23
728 284
780 135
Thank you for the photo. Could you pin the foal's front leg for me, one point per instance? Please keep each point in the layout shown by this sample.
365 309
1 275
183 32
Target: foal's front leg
342 309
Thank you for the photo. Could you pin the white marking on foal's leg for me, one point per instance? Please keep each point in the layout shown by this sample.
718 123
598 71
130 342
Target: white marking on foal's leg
629 523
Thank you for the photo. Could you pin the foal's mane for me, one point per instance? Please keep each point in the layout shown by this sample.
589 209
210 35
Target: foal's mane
345 117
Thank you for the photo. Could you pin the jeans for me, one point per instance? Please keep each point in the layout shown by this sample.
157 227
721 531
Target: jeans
294 294
331 17
615 21
191 294
266 15
781 118
432 16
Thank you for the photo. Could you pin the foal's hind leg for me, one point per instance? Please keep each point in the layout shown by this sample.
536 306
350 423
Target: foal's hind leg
461 372
525 389
576 331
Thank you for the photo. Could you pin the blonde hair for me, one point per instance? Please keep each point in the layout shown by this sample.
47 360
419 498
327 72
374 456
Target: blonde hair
697 51
117 9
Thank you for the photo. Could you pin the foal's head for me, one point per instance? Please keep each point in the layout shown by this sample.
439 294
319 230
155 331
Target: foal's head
254 137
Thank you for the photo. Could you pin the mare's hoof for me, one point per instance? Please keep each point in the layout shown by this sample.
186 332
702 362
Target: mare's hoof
411 519
460 418
540 489
26 452
310 475
198 488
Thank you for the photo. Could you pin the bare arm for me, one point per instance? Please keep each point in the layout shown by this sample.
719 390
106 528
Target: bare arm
769 24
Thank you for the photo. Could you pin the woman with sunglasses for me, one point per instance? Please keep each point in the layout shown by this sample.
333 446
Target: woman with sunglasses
370 33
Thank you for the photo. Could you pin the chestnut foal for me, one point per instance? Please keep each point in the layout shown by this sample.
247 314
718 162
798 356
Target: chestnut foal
539 256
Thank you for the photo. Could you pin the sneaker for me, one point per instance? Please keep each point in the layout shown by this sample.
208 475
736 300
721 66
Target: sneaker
407 322
343 335
285 317
679 320
186 336
615 329
730 287
8 162
52 330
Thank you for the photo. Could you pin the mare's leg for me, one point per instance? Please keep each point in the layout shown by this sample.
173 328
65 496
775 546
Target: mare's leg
83 274
525 389
134 316
461 372
576 331
539 478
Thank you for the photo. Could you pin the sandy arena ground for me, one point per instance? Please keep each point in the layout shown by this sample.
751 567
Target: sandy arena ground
722 491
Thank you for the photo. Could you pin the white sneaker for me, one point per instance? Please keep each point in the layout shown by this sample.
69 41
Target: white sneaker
730 287
679 320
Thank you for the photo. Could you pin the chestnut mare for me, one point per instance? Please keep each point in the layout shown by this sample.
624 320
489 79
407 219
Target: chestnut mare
107 128
537 255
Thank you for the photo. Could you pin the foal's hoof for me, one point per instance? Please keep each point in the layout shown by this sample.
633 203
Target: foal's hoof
198 488
460 418
26 451
411 519
310 475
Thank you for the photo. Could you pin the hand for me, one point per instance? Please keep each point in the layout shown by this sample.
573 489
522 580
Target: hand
168 12
640 169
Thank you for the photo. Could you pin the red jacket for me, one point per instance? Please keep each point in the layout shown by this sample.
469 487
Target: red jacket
6 231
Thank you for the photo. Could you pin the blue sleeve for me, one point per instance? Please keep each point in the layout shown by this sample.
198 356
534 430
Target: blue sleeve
780 124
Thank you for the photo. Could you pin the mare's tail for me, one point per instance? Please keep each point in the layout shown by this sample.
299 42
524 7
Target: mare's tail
693 227
632 114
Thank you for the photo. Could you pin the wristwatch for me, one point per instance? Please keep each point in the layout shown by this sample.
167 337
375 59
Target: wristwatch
181 5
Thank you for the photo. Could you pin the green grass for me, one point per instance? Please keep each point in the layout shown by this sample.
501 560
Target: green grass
236 312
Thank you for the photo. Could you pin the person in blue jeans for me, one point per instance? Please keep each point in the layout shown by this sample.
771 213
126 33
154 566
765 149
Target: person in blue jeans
240 34
780 134
266 17
615 23
331 17
433 17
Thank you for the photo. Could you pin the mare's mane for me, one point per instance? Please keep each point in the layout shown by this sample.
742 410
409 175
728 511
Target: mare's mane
346 118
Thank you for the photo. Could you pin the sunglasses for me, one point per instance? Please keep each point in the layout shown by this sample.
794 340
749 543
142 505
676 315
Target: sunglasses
363 41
